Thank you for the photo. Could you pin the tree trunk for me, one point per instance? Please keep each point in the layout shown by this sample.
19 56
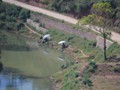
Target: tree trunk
105 53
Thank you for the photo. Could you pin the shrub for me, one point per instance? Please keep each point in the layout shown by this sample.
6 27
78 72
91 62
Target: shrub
19 26
86 78
24 14
87 82
92 67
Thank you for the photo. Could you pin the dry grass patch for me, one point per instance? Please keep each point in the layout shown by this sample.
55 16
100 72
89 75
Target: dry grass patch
106 83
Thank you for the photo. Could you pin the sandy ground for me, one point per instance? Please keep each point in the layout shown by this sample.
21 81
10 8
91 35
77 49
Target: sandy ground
115 37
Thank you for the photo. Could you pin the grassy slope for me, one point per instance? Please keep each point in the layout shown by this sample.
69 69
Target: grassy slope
68 78
64 77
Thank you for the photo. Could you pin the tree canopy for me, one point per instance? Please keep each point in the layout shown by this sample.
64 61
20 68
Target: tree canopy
9 14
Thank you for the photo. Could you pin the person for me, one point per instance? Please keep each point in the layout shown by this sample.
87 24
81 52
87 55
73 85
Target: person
63 46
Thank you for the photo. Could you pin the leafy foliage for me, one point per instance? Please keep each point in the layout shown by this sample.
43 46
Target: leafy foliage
88 19
101 9
9 15
71 6
70 81
24 14
86 74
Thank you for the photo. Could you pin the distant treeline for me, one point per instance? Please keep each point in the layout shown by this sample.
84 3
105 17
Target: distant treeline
82 8
78 7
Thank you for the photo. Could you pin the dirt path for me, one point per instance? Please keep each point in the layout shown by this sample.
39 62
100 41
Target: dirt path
115 36
40 10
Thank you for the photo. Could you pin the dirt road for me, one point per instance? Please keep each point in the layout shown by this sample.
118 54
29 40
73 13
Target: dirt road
40 10
115 37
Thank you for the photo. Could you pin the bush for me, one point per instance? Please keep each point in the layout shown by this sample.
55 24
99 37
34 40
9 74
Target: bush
88 19
87 82
19 26
92 67
86 78
24 14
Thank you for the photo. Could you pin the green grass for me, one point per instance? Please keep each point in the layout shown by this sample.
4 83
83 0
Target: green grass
69 77
22 30
81 43
88 47
70 81
114 49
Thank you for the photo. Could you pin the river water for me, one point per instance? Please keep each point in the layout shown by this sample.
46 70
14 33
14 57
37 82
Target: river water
30 70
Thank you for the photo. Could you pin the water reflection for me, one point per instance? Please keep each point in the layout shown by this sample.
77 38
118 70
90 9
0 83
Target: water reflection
14 83
31 69
17 82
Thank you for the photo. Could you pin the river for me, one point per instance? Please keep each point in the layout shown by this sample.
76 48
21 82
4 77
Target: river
30 70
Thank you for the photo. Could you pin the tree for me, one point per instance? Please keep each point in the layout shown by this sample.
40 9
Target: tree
63 5
71 6
24 14
101 13
83 5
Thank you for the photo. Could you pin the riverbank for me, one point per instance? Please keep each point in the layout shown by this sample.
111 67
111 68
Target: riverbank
81 50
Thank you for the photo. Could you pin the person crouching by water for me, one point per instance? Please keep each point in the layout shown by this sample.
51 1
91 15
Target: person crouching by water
63 45
45 38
